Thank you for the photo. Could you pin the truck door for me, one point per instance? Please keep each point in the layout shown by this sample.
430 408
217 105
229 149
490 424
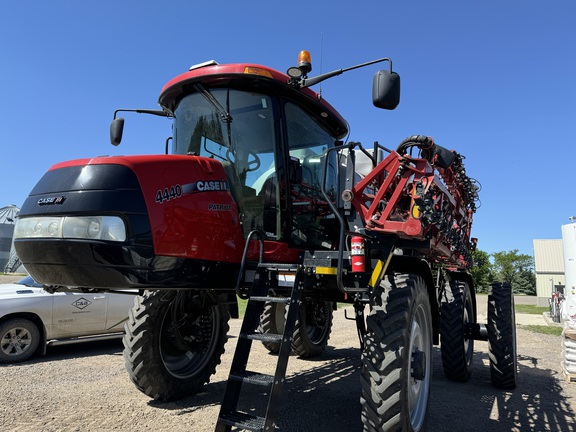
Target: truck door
77 314
118 307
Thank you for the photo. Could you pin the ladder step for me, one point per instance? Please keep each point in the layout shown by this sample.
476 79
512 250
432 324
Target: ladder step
230 417
243 421
284 300
279 266
253 377
263 337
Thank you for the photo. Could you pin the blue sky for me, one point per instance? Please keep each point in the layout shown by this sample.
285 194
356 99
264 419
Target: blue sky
494 80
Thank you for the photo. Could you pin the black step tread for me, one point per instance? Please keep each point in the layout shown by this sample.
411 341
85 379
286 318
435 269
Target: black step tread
242 420
253 377
264 337
285 300
279 266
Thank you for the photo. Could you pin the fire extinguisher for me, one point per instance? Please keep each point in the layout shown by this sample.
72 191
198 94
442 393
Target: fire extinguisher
357 252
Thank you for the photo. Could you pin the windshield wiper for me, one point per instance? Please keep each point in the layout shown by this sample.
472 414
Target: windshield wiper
224 115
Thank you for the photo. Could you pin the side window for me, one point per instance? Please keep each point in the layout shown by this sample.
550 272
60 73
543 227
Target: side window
209 148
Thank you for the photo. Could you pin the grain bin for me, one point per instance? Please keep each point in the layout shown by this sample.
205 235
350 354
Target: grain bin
7 221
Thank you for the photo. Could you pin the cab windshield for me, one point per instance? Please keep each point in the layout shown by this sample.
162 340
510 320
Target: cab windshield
233 126
239 129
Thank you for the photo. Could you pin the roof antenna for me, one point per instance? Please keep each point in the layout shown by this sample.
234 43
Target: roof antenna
321 57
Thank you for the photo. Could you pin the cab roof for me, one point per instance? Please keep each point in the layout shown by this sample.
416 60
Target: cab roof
260 78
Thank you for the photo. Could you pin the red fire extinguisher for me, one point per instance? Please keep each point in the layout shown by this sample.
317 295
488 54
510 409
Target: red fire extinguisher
358 254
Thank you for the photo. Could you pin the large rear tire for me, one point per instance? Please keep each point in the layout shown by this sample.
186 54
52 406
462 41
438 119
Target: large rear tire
312 330
397 356
456 312
173 342
502 336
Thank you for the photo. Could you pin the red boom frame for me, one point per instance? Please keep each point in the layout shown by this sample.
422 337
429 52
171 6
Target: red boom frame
414 198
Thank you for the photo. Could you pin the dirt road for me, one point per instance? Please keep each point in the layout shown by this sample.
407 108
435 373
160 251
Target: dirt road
85 388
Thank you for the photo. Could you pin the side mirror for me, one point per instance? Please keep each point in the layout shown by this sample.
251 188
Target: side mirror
386 90
116 129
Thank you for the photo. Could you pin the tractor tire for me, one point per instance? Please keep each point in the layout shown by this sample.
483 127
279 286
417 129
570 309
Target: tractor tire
173 342
397 356
502 336
19 340
312 329
457 310
272 321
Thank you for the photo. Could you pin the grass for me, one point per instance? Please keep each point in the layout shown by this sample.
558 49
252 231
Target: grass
548 330
530 309
242 306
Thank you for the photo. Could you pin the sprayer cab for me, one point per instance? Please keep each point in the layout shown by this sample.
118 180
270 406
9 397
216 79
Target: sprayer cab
248 152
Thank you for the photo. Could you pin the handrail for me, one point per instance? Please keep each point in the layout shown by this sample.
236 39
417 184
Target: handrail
260 234
334 210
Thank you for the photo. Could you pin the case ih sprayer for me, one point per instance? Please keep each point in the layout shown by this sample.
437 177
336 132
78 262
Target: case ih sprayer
261 199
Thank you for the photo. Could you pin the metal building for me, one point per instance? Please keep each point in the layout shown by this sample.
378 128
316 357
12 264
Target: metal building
548 269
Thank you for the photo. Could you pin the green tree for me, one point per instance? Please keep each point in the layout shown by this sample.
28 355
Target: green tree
515 269
525 283
481 270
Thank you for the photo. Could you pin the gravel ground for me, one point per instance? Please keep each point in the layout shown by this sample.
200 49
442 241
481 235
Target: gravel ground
84 387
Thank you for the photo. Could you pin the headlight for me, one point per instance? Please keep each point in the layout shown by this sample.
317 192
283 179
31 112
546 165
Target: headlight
83 227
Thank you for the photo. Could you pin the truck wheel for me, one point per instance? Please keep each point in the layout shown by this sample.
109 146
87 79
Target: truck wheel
397 356
19 339
312 329
457 310
173 342
502 336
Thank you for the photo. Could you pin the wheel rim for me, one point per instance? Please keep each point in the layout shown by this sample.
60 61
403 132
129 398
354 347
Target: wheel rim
418 389
317 321
468 343
16 341
279 316
514 342
183 356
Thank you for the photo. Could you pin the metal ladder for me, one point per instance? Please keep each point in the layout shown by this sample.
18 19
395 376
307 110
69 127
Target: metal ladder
230 417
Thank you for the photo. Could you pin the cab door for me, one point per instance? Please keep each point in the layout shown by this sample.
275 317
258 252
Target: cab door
313 226
78 314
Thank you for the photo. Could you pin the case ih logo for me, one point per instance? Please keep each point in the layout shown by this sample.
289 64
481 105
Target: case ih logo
176 191
205 186
51 200
82 303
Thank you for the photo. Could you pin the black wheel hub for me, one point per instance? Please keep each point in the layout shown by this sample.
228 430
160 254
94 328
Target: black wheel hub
418 365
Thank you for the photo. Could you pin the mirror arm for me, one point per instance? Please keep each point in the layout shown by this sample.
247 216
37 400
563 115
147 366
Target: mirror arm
308 82
160 113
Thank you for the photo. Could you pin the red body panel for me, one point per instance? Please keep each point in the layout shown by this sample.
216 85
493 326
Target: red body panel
192 213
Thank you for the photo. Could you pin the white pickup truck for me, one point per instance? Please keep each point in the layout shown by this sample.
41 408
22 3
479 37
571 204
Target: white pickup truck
32 319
